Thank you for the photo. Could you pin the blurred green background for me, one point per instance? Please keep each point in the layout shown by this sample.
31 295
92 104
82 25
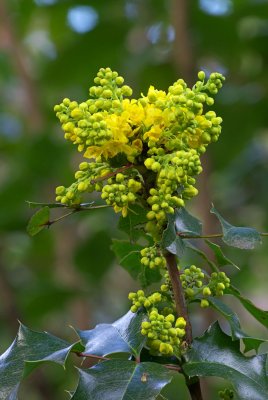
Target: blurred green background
51 49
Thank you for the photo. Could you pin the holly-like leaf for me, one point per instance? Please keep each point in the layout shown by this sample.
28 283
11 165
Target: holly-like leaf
122 380
148 276
251 343
129 258
122 336
259 314
215 354
38 221
187 223
169 234
129 329
133 223
28 350
222 260
237 236
170 241
177 247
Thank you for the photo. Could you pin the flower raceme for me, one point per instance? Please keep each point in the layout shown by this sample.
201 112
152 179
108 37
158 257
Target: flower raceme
145 151
165 133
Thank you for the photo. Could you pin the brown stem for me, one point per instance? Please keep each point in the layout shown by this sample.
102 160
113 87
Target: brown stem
195 390
193 385
178 294
107 176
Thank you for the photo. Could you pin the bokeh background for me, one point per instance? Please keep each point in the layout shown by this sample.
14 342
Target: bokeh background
51 49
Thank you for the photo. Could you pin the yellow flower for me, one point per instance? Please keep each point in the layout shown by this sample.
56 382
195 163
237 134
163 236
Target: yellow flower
133 112
119 127
113 147
154 133
153 115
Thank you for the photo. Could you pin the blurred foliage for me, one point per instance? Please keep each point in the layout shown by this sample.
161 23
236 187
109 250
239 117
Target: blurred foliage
51 49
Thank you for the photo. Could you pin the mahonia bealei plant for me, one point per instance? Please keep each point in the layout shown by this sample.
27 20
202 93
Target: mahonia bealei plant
146 151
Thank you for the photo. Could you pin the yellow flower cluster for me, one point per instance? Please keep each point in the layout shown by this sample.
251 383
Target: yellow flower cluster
165 132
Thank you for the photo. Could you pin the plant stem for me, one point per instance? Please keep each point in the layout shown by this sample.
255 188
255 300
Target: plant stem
208 236
195 390
178 294
181 308
110 174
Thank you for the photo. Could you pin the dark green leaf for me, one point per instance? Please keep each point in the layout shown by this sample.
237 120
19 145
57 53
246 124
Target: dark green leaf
232 318
123 336
122 380
220 257
129 257
187 223
133 223
33 347
129 327
169 234
38 221
177 247
170 241
215 354
147 276
259 314
241 237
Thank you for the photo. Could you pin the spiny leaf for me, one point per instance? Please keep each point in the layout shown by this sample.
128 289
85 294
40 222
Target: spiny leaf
187 223
215 354
169 234
123 336
251 343
133 223
236 236
259 314
122 380
170 241
129 257
220 257
38 221
33 348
